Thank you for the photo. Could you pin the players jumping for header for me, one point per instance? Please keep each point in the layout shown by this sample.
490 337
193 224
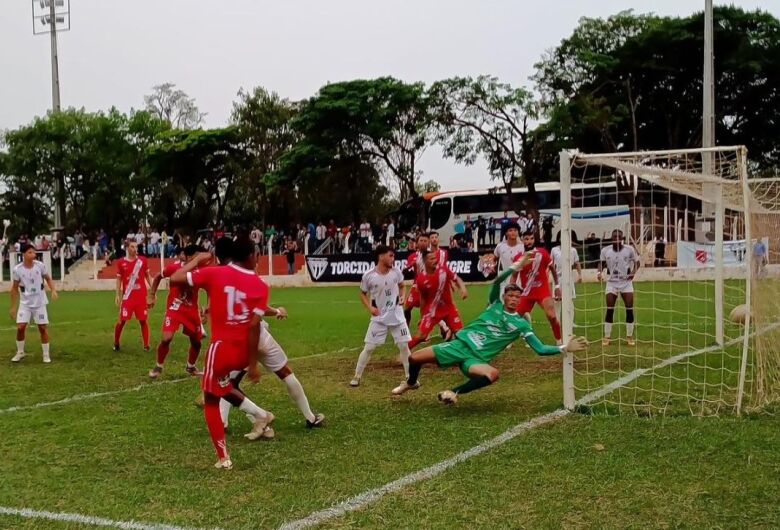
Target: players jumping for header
28 278
382 290
477 344
622 263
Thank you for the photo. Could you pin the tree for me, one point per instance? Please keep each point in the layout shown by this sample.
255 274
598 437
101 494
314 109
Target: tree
173 106
624 84
384 121
484 117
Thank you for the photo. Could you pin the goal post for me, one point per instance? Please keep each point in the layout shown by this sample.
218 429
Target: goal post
707 238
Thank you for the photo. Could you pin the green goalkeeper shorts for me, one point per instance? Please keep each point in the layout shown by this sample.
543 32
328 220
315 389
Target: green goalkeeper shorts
456 352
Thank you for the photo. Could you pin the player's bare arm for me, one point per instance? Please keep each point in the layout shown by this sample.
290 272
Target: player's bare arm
14 299
153 290
401 293
118 297
634 270
367 304
600 273
464 293
52 286
201 259
279 312
578 267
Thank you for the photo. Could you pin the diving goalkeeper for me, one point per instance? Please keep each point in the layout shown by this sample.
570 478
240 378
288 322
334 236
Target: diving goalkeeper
477 344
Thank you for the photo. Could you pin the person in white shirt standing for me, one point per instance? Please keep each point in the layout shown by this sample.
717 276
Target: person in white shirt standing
506 251
29 277
622 263
557 257
382 292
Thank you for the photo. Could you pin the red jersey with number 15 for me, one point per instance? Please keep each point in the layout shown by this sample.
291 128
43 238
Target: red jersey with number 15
533 276
435 289
133 276
179 295
235 295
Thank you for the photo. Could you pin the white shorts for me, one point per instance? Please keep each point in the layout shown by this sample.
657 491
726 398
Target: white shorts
38 314
377 333
272 355
618 287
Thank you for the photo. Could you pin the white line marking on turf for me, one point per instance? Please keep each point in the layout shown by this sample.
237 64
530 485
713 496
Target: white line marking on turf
87 519
92 395
82 397
359 501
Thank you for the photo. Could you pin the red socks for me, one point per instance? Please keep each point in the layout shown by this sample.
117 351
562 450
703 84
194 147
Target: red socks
145 332
162 352
192 355
415 341
555 324
214 423
118 331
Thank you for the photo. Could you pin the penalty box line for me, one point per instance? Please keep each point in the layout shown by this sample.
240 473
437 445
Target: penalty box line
367 497
93 395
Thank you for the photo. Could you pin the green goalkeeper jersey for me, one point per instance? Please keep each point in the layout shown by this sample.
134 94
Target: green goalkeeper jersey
495 328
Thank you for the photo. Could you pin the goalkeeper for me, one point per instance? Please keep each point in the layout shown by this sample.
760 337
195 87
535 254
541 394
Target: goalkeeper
477 344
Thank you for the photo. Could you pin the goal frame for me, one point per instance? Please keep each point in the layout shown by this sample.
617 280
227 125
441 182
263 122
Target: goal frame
713 196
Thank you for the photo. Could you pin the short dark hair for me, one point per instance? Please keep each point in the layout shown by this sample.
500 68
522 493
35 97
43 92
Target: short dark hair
421 234
24 247
529 233
191 250
243 248
511 225
382 250
432 232
512 287
617 231
223 249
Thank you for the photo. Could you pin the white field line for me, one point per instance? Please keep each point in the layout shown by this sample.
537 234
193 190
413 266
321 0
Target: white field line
87 519
93 395
54 324
367 497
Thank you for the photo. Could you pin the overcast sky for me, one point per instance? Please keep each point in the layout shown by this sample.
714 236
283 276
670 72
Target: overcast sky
118 49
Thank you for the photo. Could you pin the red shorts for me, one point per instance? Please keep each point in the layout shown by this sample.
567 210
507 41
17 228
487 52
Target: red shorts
187 318
449 315
222 358
134 307
536 296
413 299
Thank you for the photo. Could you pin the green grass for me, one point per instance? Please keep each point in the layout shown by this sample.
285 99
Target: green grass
146 455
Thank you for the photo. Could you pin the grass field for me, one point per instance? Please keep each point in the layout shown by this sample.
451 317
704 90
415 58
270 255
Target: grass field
141 452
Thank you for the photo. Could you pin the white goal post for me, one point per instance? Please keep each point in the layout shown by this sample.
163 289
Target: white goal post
682 353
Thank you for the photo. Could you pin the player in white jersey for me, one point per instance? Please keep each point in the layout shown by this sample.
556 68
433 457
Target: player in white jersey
507 251
622 263
382 290
557 256
29 277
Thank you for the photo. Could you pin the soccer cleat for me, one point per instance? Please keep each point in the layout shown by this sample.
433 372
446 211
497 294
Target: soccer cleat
605 342
355 382
224 463
115 347
631 341
147 348
259 428
403 387
193 370
18 357
319 421
448 397
46 358
155 372
268 433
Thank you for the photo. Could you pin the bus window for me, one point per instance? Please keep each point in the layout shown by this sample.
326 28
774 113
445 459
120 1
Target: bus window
440 212
468 204
548 200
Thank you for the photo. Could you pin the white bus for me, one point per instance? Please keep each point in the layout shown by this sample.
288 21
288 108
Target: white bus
595 208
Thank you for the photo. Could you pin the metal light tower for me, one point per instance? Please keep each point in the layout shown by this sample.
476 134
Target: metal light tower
51 16
708 86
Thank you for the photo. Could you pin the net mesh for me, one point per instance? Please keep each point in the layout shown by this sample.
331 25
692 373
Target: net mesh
686 355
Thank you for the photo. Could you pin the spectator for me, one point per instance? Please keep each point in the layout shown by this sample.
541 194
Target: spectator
332 230
78 240
391 234
154 242
547 233
530 223
270 234
504 222
468 230
760 258
494 226
289 253
592 250
365 235
256 237
312 229
404 243
481 231
660 252
322 233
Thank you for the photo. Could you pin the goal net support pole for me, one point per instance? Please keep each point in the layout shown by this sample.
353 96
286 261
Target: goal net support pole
566 281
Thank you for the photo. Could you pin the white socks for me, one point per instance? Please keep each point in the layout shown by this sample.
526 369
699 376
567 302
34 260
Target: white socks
295 389
19 346
224 411
607 330
403 350
45 348
363 359
630 329
251 410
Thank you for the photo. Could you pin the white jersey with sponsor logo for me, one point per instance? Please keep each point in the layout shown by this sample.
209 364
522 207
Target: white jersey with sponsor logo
31 284
506 254
383 291
620 263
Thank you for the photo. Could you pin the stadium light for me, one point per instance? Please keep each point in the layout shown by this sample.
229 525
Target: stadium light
52 16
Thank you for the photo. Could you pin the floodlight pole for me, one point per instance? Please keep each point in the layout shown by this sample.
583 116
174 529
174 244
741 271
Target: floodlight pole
708 85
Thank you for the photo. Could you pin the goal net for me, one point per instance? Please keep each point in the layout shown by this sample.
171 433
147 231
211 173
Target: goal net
705 239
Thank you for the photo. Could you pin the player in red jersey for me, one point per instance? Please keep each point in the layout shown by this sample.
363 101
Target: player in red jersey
237 302
132 279
415 263
536 284
435 286
182 311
